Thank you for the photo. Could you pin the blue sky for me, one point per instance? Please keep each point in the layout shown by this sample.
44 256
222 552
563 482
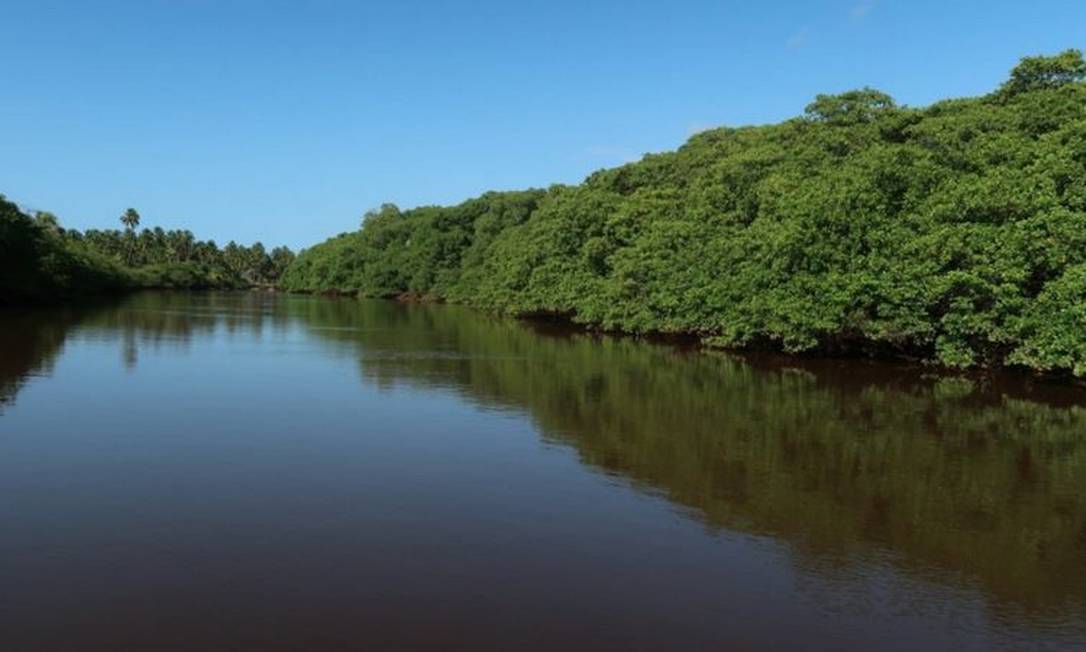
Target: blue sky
285 121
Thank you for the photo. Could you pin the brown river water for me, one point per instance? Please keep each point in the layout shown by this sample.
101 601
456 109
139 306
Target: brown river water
247 471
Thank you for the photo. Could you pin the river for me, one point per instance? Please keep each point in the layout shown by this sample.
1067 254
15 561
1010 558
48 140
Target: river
262 471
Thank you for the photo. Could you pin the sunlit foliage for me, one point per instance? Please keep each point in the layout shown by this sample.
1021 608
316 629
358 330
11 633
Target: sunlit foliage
954 233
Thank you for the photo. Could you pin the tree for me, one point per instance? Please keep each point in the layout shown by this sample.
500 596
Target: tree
853 107
180 244
47 221
257 264
281 258
386 211
130 219
1038 73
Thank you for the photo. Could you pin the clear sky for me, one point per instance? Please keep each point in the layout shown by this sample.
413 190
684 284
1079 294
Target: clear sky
285 121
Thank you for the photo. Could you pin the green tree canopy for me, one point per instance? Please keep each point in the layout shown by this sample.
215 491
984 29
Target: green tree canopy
954 233
384 212
47 221
1040 72
862 105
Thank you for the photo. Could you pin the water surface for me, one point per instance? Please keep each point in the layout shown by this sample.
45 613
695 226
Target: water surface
255 471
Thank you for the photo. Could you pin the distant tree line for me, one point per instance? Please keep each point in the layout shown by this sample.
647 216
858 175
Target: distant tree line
42 260
252 264
954 233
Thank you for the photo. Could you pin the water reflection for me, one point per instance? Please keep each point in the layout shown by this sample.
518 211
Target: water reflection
969 484
957 479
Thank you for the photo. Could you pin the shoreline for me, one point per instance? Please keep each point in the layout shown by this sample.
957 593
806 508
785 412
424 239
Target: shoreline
839 351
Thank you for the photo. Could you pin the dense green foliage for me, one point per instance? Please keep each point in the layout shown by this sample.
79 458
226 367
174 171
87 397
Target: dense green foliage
955 232
173 255
40 260
427 251
37 263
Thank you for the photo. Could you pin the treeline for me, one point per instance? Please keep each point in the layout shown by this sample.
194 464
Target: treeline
232 264
42 260
954 233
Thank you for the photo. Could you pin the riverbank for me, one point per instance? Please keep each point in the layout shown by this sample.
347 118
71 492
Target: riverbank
1001 379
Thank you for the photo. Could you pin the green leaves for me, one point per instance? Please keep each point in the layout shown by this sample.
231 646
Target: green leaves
38 264
954 233
853 107
1052 333
44 261
1041 73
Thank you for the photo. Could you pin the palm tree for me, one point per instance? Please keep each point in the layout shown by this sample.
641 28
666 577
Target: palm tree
130 219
